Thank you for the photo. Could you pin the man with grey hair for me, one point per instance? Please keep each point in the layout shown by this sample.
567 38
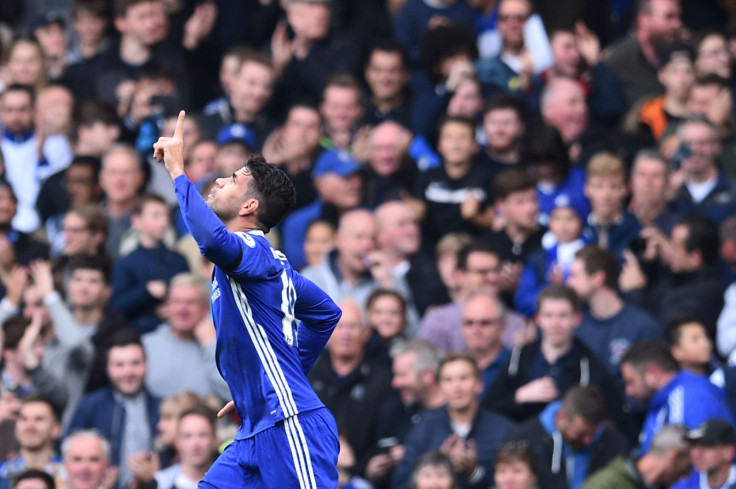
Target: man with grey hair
181 352
705 189
415 364
667 461
86 456
483 325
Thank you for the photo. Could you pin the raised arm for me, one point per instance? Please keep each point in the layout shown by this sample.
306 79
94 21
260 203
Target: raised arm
215 242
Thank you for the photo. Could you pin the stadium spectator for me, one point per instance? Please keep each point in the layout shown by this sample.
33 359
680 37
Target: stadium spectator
181 351
575 429
351 384
672 396
610 325
634 58
338 182
125 413
467 433
667 462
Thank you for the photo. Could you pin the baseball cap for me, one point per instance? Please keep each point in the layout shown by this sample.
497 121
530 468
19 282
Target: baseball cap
236 133
713 432
45 19
336 161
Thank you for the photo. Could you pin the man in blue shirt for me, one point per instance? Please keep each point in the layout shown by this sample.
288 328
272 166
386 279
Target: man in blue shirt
672 396
271 325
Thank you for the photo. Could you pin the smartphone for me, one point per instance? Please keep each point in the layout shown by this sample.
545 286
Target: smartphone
683 152
386 444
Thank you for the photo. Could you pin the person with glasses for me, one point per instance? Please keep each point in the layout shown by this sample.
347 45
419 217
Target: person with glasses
484 322
478 269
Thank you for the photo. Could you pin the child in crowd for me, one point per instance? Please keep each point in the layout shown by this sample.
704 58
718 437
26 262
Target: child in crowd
545 156
520 235
609 225
514 467
433 471
140 279
677 74
319 240
456 196
552 263
690 345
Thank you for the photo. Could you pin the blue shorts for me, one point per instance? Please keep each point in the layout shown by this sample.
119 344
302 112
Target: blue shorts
298 452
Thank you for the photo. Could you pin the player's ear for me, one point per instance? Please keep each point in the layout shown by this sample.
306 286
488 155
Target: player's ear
250 206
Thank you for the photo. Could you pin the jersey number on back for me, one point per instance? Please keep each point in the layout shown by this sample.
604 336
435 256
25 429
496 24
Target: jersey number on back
288 298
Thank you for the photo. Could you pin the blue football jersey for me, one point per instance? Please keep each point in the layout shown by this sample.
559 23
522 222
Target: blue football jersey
271 322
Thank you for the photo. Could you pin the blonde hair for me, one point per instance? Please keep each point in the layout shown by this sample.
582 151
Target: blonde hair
606 165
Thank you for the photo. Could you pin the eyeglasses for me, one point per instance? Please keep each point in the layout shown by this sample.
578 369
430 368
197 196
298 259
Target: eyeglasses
483 271
483 322
515 17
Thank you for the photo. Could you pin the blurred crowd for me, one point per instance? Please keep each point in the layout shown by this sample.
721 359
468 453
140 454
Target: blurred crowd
526 210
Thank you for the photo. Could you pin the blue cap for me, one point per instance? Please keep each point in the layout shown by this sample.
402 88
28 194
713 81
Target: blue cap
336 161
565 200
236 133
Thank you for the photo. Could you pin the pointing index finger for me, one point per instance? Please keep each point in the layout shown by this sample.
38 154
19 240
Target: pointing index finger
179 125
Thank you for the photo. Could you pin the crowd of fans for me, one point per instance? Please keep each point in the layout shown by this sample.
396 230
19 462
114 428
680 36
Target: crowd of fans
526 210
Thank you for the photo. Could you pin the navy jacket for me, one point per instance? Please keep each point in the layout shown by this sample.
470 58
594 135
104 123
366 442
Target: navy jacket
489 431
101 411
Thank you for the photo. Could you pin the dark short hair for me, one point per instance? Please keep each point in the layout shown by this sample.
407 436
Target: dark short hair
457 356
597 259
647 352
512 180
543 144
19 87
673 330
89 112
559 292
702 236
98 262
96 8
122 338
145 199
444 42
474 247
433 458
93 216
516 451
389 46
455 119
378 293
27 474
38 398
586 401
13 330
91 162
503 100
120 7
273 189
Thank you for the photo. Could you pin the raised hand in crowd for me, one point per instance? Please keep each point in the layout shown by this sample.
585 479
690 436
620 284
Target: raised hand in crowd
199 25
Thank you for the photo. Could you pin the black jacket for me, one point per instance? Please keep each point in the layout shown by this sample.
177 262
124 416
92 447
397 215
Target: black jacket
578 367
355 400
